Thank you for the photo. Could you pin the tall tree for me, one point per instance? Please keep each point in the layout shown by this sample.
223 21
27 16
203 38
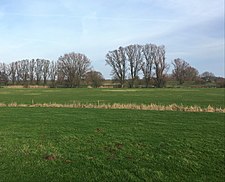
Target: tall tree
73 67
191 73
183 71
134 58
208 76
117 60
53 72
39 70
4 73
12 72
46 64
32 70
23 71
180 69
94 78
149 55
83 65
161 67
4 68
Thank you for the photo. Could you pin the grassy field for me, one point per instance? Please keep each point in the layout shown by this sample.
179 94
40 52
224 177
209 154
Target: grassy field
58 144
199 97
68 144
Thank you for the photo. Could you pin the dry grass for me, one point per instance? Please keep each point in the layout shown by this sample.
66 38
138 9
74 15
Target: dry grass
26 86
37 86
172 107
121 90
14 86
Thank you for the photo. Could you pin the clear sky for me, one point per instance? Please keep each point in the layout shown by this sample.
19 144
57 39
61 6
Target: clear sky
190 29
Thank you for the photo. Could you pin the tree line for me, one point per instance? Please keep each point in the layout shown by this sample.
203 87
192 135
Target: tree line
131 66
149 61
70 70
127 62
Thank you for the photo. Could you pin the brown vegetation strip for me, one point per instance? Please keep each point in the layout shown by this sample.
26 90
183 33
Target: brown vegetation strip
155 107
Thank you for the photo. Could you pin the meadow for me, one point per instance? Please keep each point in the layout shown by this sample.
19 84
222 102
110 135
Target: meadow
187 97
68 144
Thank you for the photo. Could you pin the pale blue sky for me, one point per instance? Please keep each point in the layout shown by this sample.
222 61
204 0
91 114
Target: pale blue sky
192 30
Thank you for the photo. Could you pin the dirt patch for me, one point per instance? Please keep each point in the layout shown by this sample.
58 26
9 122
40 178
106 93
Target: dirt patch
50 157
99 130
119 146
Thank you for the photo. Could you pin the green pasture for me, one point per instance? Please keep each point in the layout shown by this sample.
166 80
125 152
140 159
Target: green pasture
59 144
186 96
67 144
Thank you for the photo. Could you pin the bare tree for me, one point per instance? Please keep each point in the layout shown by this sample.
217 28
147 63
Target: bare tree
61 73
23 71
68 69
191 73
117 60
32 65
183 71
4 73
83 65
180 69
161 67
94 78
149 55
3 67
46 64
18 72
38 70
53 72
134 58
207 76
73 67
12 72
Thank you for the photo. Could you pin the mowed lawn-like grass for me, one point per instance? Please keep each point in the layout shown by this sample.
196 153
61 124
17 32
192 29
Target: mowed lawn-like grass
63 144
187 97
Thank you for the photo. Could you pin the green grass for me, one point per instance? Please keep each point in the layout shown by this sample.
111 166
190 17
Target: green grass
62 144
187 96
46 144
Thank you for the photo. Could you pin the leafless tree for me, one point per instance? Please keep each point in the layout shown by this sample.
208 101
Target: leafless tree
149 55
117 60
208 76
183 71
38 70
160 66
73 67
94 78
22 71
32 65
83 65
53 72
191 73
68 70
18 72
4 68
46 64
180 69
134 58
12 72
4 73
